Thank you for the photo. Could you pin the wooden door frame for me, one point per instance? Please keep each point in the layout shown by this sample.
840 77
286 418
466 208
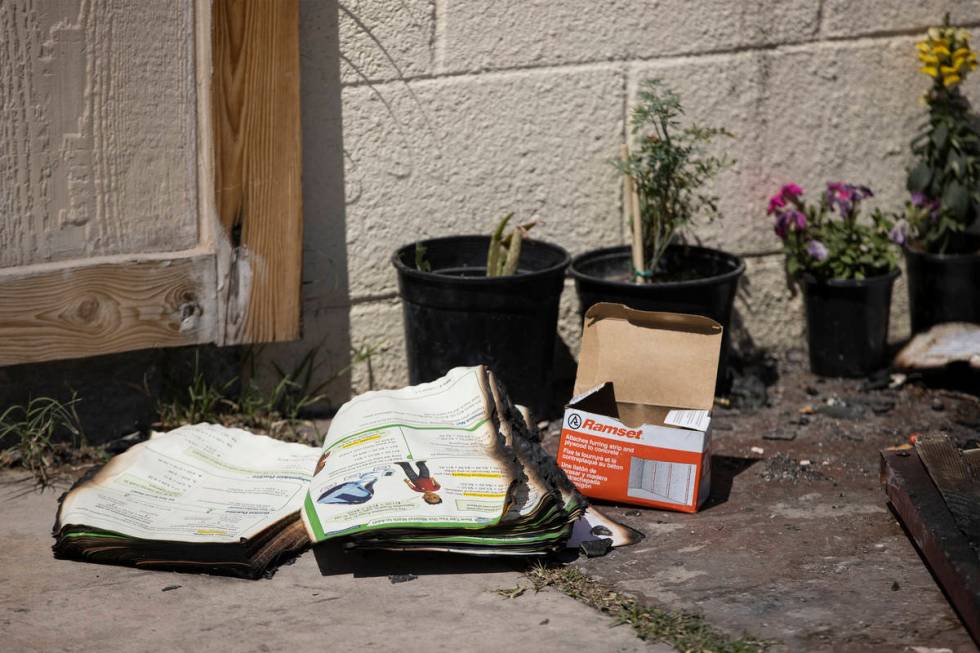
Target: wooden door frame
242 281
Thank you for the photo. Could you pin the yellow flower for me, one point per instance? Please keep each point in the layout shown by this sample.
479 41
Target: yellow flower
967 56
946 55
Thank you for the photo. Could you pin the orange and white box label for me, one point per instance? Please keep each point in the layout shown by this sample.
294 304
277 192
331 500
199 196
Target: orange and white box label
651 465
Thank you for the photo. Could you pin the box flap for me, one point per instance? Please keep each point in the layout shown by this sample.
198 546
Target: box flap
666 359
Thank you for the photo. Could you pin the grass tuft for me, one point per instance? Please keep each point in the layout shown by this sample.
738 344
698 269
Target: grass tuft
41 436
685 631
199 401
278 411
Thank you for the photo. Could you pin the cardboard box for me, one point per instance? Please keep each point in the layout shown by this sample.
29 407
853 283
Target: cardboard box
638 429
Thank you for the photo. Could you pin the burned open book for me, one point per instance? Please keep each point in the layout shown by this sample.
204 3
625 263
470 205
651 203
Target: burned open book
450 465
202 497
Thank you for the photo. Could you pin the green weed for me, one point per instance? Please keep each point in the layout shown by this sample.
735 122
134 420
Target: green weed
241 402
36 434
199 401
684 631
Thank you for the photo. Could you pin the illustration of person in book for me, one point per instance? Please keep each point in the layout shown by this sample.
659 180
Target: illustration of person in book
360 490
422 481
321 463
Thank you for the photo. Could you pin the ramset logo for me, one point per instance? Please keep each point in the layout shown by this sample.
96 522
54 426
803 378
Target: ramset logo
574 421
592 425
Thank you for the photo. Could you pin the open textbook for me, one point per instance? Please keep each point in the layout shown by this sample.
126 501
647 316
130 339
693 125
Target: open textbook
202 497
450 465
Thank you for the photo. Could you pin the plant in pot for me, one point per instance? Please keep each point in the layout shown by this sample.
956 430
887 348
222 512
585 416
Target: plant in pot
942 218
846 268
492 300
665 193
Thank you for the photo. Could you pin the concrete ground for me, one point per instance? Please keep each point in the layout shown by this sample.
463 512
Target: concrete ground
57 605
797 546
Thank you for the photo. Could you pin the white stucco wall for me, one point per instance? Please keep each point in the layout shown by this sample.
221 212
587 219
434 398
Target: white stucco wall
457 111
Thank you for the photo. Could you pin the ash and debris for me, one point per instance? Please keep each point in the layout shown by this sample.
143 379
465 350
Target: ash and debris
781 467
796 542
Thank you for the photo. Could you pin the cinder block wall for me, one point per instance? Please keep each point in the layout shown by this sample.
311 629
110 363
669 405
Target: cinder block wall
455 112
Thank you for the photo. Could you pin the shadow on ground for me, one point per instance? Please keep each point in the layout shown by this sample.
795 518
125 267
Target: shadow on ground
333 561
724 470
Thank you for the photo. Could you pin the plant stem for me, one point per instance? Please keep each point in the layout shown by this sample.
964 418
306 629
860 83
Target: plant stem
632 199
494 263
513 252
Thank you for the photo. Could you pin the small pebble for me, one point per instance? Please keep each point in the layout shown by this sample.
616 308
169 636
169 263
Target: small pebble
938 405
758 450
169 588
896 586
599 529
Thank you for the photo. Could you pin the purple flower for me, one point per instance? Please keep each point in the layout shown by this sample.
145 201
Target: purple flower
835 188
837 197
776 202
921 201
790 220
788 194
790 191
781 225
899 232
845 197
817 250
797 219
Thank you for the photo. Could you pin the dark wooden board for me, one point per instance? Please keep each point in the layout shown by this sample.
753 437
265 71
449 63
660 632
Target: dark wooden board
954 480
935 532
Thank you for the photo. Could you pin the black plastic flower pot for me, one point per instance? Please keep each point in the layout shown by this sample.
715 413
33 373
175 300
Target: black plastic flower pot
455 315
847 324
707 285
942 288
